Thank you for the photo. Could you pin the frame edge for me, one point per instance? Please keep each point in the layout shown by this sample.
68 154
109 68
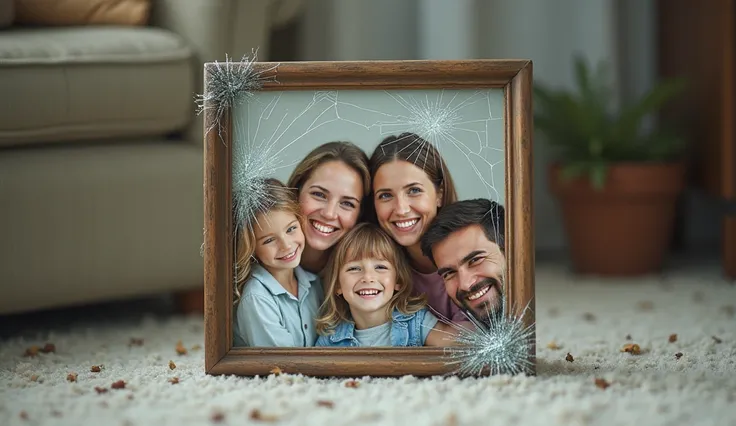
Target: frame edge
520 154
217 247
221 358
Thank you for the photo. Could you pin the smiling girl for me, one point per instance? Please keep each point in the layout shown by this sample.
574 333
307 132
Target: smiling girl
276 299
331 183
411 183
369 300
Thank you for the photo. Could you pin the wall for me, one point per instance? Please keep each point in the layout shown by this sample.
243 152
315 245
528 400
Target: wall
622 32
549 33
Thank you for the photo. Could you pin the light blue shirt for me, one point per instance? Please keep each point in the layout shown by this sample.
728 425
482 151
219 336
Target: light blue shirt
269 316
401 330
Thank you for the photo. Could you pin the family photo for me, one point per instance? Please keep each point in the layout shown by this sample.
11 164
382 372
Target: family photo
367 221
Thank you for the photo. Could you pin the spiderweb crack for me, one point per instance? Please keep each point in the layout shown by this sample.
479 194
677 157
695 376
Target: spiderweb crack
498 343
228 85
439 120
252 165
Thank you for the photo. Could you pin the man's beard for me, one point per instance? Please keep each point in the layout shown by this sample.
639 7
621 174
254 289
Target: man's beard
484 311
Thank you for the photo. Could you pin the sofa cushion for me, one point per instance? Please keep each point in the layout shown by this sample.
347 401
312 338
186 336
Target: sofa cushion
80 83
92 223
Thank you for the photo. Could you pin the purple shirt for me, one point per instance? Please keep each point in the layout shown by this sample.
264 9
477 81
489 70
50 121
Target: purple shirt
434 287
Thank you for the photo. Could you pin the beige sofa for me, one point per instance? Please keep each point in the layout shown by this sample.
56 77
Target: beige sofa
101 151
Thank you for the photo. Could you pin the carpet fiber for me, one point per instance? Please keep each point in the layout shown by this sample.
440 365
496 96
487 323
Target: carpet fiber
685 379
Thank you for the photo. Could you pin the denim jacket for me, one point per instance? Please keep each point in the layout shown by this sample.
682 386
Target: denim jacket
406 330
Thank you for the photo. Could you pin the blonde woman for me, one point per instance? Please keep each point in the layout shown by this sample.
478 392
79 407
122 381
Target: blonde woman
369 300
331 183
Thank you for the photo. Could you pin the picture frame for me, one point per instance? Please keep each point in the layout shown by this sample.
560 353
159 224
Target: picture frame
514 77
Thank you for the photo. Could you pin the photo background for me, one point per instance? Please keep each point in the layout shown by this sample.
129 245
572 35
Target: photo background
467 126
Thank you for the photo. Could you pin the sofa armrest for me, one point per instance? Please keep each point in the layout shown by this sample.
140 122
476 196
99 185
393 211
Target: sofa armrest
214 28
284 11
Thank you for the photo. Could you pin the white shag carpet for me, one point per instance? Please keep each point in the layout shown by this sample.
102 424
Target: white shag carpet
591 319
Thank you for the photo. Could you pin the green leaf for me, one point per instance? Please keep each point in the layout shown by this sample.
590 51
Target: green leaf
596 148
630 119
583 128
572 171
598 175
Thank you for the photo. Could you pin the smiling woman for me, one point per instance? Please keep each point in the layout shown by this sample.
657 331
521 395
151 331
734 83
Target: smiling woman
411 183
331 181
381 253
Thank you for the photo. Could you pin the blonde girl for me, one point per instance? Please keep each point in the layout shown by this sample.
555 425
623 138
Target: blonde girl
276 300
369 300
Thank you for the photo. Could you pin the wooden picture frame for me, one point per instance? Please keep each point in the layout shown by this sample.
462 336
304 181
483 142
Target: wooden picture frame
513 76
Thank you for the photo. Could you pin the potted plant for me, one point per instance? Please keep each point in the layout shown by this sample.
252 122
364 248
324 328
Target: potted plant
616 182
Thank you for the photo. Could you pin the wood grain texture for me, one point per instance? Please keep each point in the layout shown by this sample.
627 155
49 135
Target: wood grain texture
387 75
706 112
519 181
728 162
218 253
516 79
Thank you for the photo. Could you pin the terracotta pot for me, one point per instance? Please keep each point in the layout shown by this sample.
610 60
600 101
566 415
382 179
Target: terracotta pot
625 228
